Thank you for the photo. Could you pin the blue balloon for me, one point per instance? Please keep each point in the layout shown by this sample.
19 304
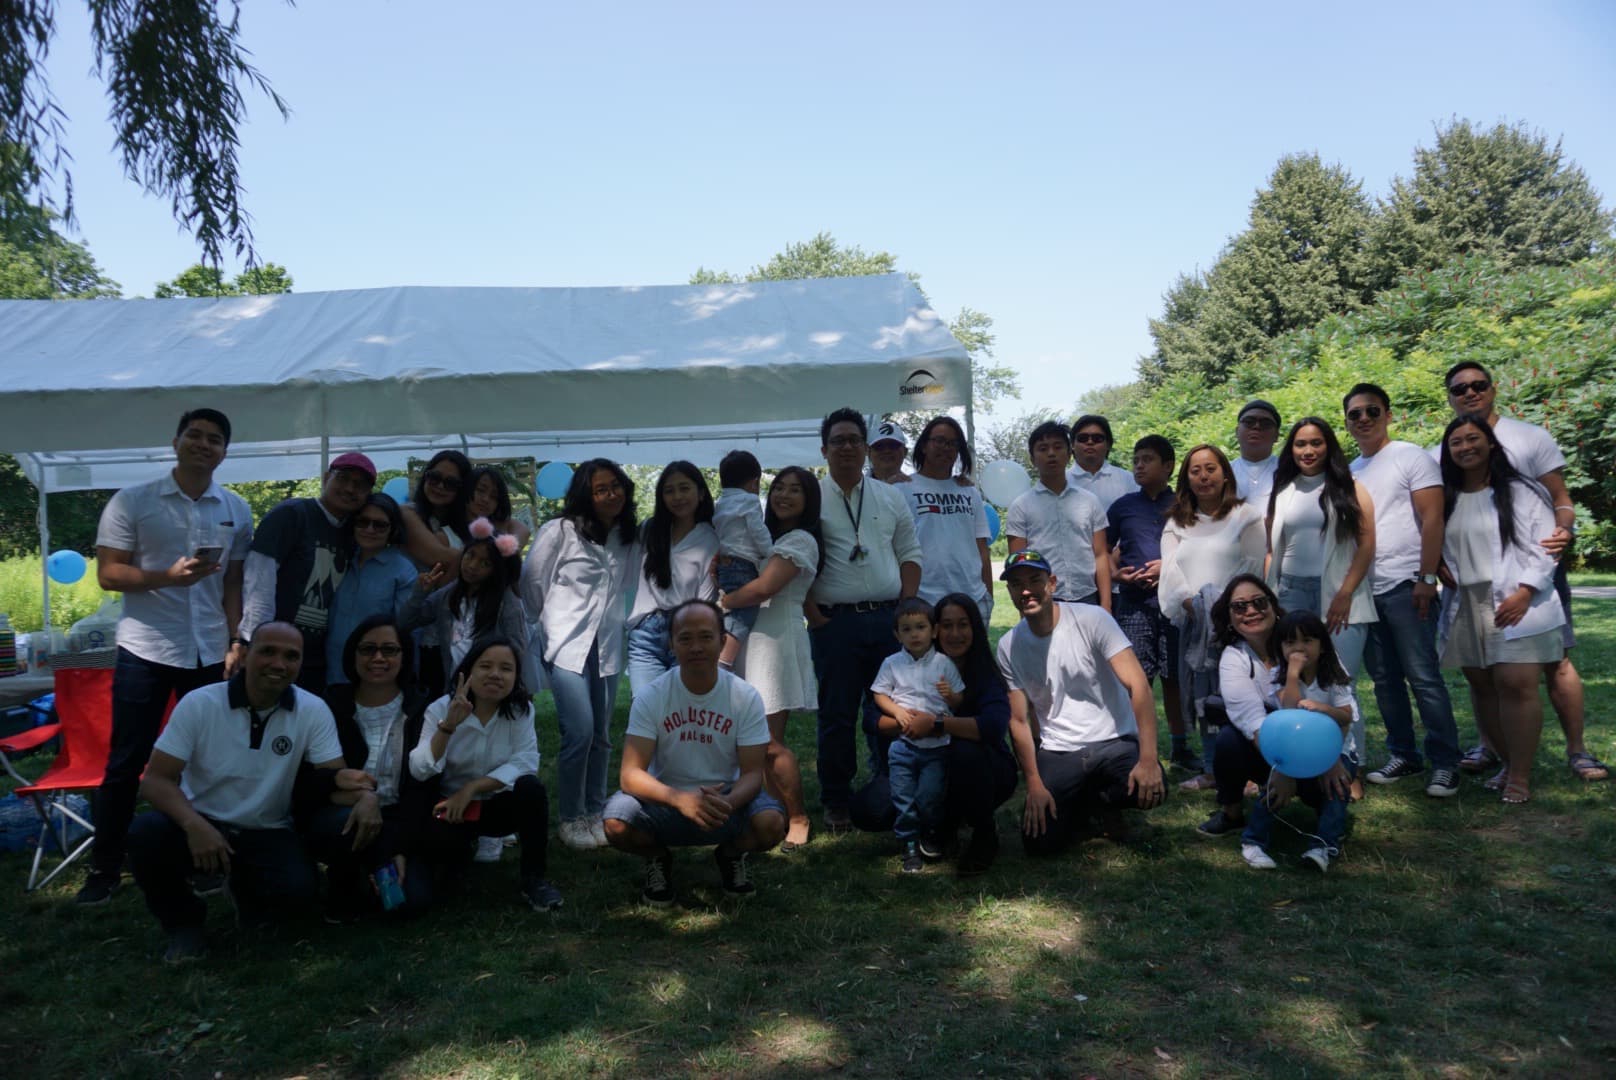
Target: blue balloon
993 522
1300 743
553 480
397 489
65 567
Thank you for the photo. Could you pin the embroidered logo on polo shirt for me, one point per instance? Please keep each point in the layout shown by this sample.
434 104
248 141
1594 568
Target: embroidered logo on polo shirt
282 745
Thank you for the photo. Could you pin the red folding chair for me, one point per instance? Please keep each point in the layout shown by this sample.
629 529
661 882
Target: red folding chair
84 705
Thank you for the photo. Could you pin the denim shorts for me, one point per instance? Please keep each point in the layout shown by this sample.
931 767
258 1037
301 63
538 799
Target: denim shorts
673 829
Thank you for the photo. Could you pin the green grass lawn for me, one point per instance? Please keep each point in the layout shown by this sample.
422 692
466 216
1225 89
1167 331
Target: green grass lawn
1456 937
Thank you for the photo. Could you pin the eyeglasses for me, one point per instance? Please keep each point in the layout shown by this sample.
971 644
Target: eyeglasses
940 443
1089 437
606 491
1477 386
371 648
446 481
844 442
372 524
1367 412
1258 423
1259 604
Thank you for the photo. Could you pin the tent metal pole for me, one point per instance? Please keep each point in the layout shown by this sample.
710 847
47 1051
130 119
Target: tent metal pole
44 559
325 455
970 423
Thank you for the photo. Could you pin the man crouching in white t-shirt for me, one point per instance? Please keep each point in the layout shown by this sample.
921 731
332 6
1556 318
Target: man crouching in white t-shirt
1070 665
692 770
220 782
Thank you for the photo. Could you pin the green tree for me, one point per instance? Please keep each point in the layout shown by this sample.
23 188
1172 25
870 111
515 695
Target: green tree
1008 440
175 73
1300 258
1504 193
201 280
824 257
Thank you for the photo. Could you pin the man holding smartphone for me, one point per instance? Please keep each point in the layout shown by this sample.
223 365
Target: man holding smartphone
175 548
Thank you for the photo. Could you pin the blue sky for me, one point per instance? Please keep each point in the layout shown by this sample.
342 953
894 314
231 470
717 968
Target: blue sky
1055 166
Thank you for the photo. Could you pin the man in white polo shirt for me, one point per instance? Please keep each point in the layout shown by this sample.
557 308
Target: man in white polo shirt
174 547
1532 450
1062 520
1092 470
220 781
1070 667
871 561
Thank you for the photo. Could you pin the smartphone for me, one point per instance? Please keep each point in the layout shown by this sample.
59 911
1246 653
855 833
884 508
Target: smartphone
208 554
474 810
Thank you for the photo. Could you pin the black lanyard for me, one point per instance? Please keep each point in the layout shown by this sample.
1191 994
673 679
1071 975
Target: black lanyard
858 550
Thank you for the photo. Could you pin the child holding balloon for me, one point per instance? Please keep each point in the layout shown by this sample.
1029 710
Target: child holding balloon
1311 678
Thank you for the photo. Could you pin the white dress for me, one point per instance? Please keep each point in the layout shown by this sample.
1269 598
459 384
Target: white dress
779 663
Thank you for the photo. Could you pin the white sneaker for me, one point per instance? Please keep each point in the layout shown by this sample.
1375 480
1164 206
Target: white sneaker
1319 857
597 829
576 834
1256 857
509 840
489 849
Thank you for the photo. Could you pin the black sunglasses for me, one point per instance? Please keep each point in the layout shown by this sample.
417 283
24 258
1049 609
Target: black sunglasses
447 481
1259 604
1367 412
1478 386
1089 437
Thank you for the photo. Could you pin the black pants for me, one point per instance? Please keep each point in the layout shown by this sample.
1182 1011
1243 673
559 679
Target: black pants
847 653
1236 760
347 869
140 693
981 776
1083 782
523 810
271 877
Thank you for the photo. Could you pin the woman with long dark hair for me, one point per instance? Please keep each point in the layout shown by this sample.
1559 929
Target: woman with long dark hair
1503 620
1321 542
478 603
379 580
491 498
950 517
778 661
435 531
479 751
574 584
679 545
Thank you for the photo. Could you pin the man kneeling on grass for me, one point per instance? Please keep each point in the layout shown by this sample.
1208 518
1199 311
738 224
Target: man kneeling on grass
693 764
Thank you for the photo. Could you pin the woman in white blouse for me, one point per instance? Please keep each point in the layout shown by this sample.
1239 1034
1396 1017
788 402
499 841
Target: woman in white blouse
680 544
575 585
1211 534
478 745
1245 619
1502 622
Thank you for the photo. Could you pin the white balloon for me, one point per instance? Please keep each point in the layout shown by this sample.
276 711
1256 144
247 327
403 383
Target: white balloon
1003 480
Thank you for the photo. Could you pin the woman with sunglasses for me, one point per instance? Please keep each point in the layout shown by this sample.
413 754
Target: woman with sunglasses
575 583
1503 620
379 580
1321 543
434 533
1245 620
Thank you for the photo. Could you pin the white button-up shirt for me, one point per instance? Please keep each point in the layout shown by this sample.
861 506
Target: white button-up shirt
576 591
504 749
1061 528
885 531
158 524
1108 483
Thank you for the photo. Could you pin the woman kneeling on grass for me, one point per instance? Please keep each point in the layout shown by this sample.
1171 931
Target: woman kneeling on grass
1313 678
479 745
1502 622
1245 619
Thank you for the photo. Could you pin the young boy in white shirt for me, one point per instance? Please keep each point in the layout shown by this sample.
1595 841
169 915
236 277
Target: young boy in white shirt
744 544
916 687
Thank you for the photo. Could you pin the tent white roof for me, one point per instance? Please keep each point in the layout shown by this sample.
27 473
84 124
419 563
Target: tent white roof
639 374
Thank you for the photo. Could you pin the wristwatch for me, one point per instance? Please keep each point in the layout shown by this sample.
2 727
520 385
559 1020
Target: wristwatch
937 726
1430 579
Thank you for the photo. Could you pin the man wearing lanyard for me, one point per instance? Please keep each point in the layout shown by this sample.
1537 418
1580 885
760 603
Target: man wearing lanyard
872 560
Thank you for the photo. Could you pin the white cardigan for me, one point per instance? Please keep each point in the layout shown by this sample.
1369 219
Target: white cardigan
1523 563
1209 552
1338 555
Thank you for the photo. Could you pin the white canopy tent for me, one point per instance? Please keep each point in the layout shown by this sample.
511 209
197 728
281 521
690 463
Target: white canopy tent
638 374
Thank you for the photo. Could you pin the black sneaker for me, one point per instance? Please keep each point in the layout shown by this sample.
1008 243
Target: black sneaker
980 852
658 890
1221 824
1189 761
97 889
734 873
186 943
913 863
1395 769
541 895
204 884
932 846
1444 783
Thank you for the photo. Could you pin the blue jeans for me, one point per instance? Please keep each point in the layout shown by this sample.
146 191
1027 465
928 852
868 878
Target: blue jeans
1302 594
919 778
649 655
847 653
1402 648
1332 813
732 574
584 701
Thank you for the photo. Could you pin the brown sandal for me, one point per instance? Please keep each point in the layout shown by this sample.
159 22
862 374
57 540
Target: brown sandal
1586 767
1515 793
1498 781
